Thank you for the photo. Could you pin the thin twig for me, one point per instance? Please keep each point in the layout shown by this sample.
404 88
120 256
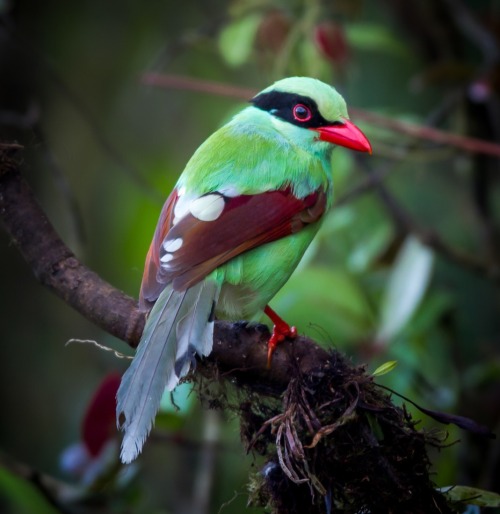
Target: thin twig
463 143
205 86
405 223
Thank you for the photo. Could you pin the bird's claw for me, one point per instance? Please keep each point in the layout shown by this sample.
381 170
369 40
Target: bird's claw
280 332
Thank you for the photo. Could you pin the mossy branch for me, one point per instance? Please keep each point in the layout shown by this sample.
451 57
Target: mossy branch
331 437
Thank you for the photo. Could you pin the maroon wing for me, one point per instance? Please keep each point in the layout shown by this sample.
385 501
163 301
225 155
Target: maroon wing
150 287
246 221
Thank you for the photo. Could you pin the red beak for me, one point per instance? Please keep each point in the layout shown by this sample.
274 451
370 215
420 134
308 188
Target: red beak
345 134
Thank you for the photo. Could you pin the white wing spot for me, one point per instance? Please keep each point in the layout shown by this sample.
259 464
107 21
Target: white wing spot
172 245
208 207
166 258
181 208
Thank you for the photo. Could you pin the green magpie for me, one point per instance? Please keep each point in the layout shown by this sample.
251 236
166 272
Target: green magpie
230 234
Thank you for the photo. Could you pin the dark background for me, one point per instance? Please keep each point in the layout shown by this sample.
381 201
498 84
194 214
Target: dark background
103 150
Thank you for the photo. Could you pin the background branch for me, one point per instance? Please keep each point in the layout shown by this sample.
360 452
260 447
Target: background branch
464 143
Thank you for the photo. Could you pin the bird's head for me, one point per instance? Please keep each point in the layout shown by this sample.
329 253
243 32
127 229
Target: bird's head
306 103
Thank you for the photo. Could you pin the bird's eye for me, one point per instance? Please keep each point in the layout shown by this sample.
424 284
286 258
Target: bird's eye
302 113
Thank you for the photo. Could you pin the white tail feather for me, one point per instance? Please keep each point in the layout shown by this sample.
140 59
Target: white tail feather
178 326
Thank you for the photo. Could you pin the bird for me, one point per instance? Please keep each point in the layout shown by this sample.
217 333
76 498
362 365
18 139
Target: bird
244 210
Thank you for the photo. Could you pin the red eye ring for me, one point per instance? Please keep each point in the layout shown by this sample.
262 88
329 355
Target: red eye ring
301 113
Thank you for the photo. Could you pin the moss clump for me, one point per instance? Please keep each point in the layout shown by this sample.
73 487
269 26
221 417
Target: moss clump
336 443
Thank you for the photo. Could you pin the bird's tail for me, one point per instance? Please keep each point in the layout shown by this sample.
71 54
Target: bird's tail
179 326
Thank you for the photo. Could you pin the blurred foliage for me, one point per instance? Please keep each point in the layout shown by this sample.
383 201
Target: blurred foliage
20 496
104 150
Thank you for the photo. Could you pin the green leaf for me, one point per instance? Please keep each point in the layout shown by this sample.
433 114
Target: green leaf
482 375
406 287
435 304
365 253
471 495
373 37
236 39
311 60
21 496
385 368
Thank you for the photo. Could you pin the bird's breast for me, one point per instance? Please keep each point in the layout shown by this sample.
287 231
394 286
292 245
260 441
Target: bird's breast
252 279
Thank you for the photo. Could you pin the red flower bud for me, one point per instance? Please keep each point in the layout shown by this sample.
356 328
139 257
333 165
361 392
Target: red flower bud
99 424
273 31
331 41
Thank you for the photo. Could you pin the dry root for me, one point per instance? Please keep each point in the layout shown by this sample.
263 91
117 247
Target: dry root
336 443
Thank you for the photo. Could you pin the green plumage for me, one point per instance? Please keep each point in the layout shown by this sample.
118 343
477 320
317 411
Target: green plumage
279 155
281 145
247 143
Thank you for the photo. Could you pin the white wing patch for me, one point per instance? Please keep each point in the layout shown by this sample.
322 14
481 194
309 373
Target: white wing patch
172 245
181 207
165 260
208 207
204 208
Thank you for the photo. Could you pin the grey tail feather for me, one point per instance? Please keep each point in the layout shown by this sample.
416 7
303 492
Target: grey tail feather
178 327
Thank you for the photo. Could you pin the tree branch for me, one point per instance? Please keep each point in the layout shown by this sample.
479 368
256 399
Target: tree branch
317 437
57 268
53 263
464 143
404 222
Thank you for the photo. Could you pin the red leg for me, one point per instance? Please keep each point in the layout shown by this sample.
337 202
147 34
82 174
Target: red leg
281 330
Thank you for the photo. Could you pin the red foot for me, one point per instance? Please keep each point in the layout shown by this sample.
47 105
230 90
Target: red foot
281 330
